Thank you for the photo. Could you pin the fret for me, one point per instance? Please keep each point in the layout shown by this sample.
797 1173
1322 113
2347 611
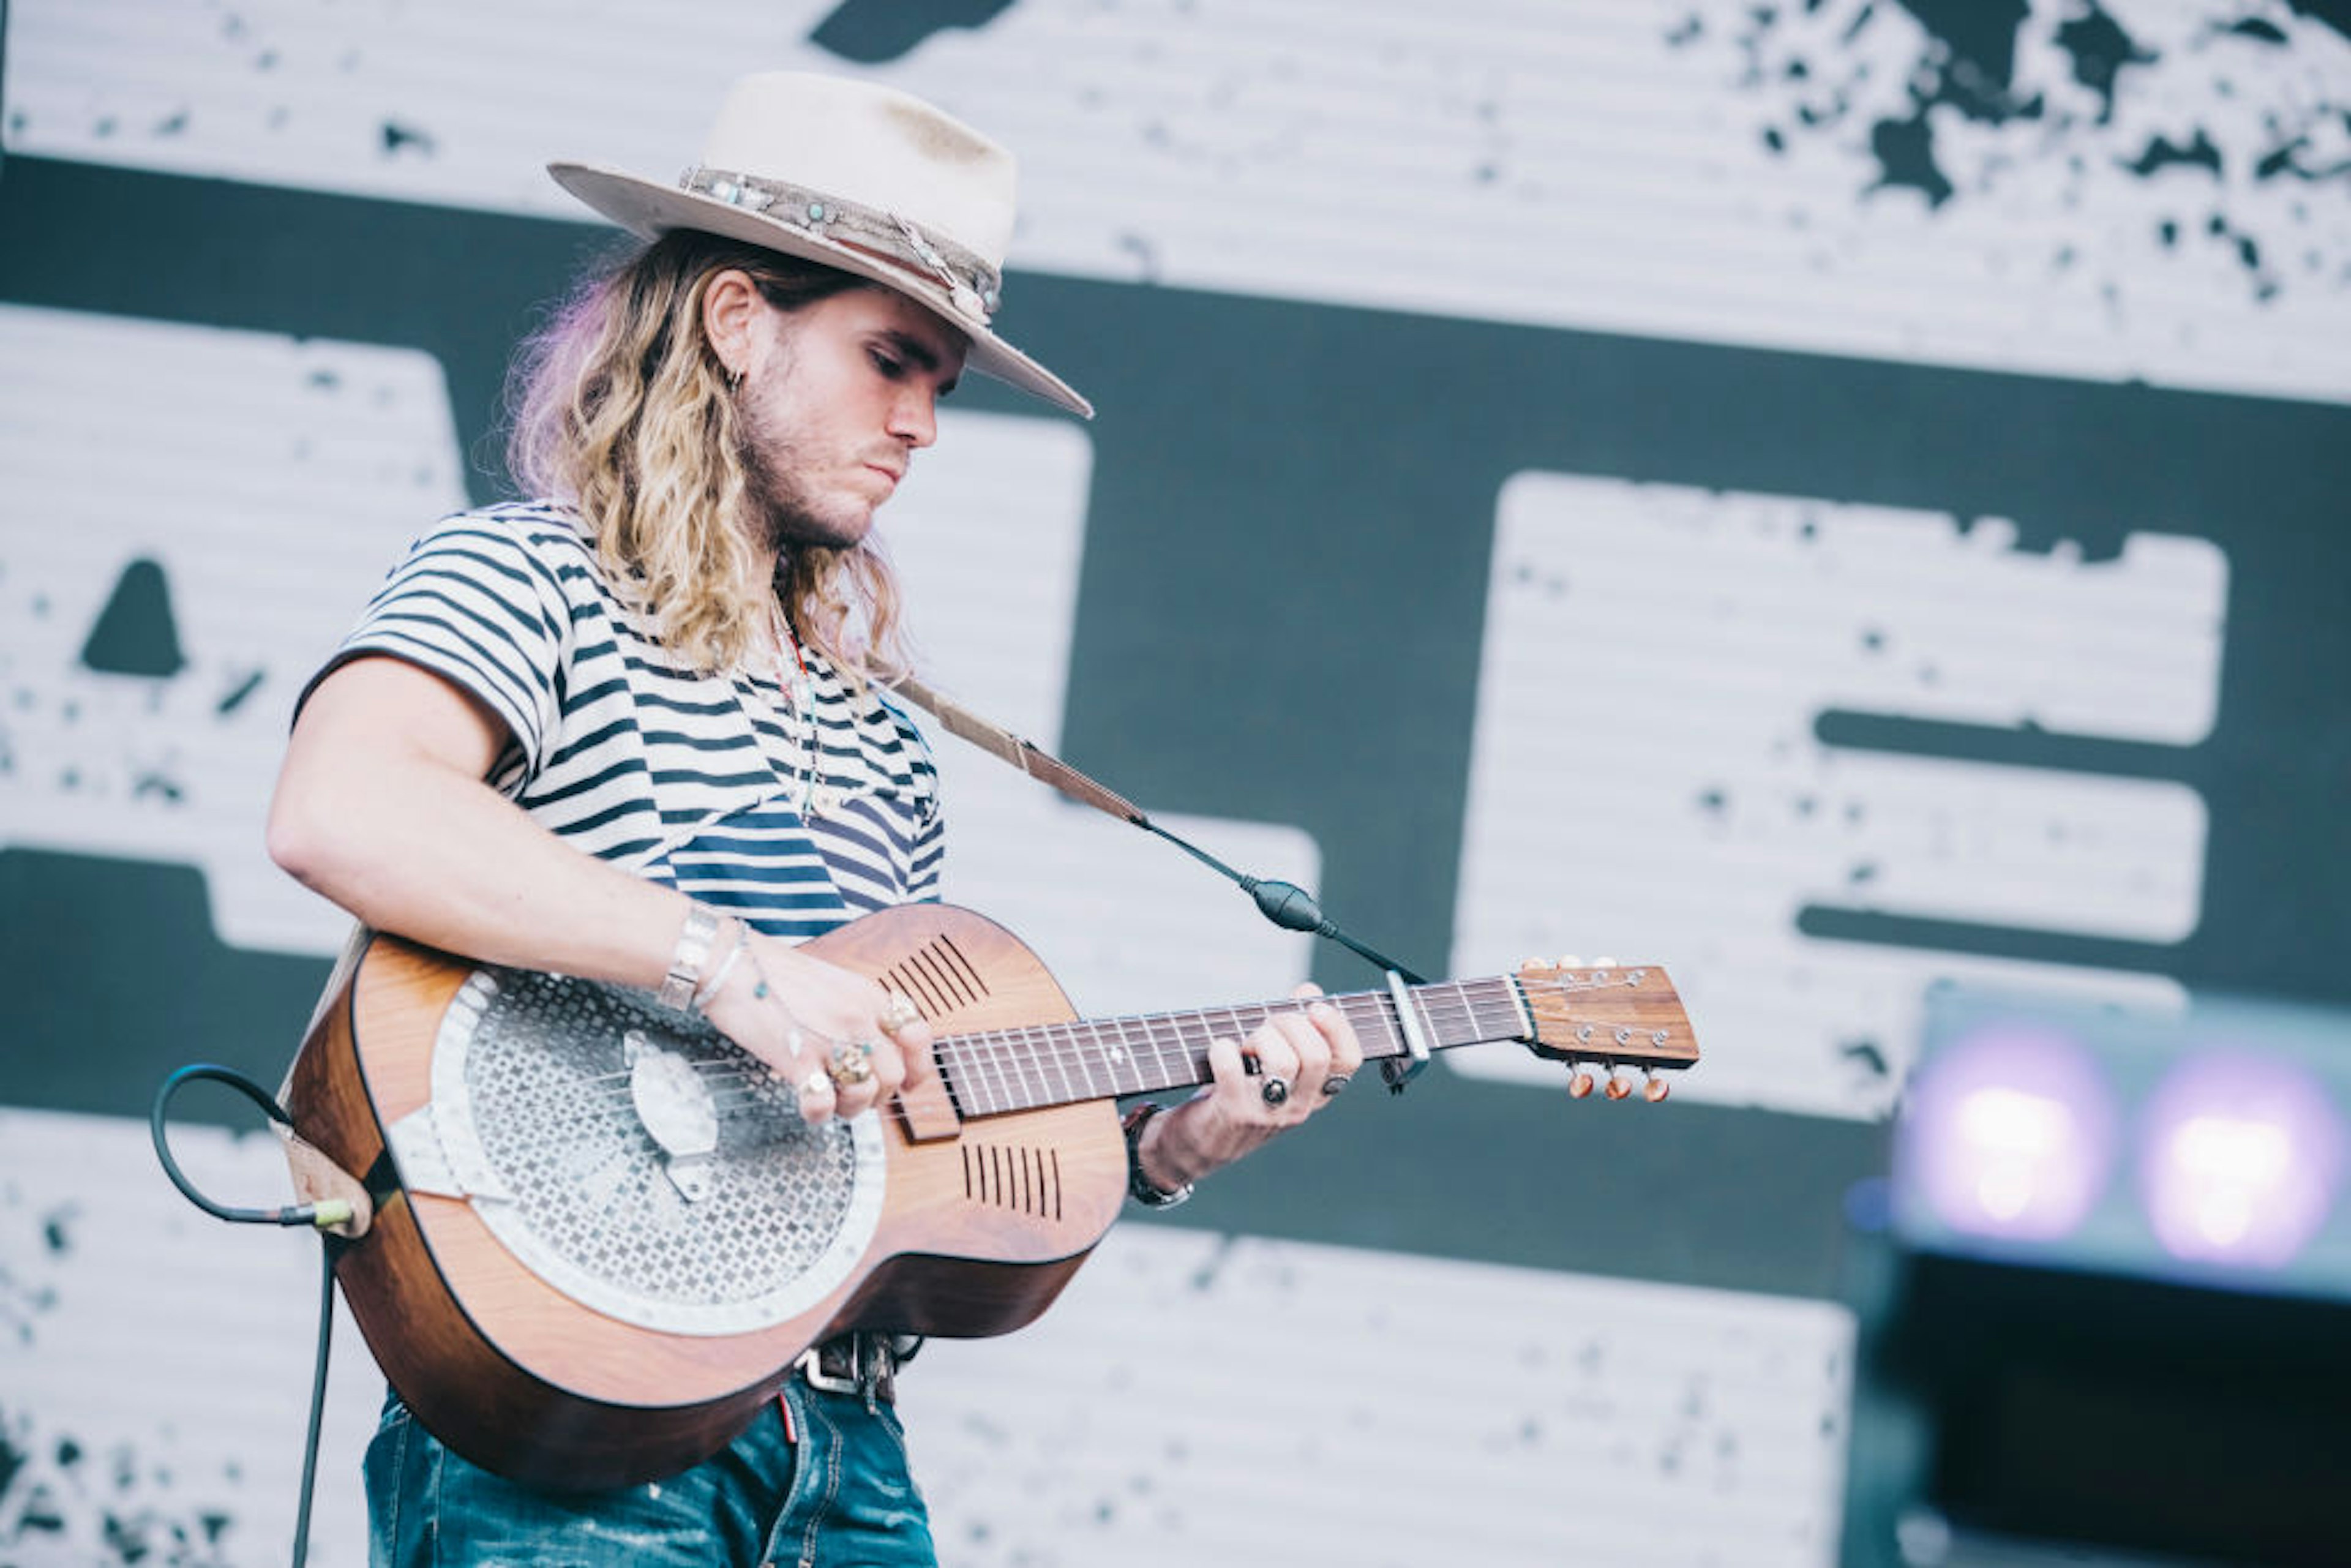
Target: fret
1239 1031
1384 1037
1061 1042
1132 1060
1166 1077
1121 1055
1086 1059
994 1044
971 1092
1036 1044
949 1060
1427 1024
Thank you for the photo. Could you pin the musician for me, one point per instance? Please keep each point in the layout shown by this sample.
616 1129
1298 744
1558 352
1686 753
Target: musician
640 729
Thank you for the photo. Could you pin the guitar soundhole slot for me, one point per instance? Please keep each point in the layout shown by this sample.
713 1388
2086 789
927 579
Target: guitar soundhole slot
939 981
963 969
906 977
1019 1177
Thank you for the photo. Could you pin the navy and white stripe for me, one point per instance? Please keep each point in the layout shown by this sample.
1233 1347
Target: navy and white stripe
689 779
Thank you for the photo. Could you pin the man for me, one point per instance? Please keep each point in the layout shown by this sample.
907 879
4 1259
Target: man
635 730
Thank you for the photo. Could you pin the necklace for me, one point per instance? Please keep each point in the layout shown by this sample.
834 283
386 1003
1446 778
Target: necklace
799 692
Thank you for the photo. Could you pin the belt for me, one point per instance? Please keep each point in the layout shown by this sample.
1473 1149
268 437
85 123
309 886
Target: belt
863 1362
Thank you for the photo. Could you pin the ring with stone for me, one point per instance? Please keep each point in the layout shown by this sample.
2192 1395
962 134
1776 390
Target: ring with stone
850 1064
1275 1089
901 1012
816 1083
1336 1082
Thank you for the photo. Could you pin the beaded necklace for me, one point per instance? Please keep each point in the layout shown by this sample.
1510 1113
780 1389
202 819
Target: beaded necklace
800 694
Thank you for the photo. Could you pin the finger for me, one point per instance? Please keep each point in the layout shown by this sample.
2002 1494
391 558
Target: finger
1275 1056
1229 1069
1346 1046
1278 1064
1313 1054
856 1081
915 1044
816 1094
890 1067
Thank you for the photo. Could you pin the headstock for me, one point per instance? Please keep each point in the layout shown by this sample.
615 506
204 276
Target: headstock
1615 1024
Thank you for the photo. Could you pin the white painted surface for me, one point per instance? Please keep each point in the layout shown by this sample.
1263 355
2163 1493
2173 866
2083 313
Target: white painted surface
278 480
1646 782
1557 164
1140 1422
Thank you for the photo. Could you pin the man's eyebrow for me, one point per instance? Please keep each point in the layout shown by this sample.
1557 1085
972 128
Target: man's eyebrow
913 349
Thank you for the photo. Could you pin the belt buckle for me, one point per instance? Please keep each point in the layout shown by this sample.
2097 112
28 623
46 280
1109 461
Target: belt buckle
867 1366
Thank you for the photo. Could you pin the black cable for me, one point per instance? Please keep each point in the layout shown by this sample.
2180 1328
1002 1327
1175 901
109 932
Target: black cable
318 1396
1293 908
313 1214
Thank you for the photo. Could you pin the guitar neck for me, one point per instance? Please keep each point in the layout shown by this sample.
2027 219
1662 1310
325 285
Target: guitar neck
1027 1069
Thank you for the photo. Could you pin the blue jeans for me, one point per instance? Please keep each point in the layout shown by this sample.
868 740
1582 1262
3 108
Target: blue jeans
841 1495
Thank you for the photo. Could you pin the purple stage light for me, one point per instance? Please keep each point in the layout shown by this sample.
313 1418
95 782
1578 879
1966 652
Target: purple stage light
2010 1132
2239 1160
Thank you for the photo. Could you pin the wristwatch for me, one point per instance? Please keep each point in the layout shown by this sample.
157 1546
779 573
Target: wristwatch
1139 1187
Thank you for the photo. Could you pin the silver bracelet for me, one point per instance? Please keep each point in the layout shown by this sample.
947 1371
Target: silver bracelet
686 961
710 987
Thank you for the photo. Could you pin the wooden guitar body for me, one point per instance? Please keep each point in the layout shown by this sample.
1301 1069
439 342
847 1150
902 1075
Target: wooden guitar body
981 1225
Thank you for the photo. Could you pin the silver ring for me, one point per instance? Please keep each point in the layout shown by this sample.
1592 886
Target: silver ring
815 1083
1275 1089
1336 1082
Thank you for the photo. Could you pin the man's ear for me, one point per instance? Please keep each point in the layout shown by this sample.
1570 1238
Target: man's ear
730 310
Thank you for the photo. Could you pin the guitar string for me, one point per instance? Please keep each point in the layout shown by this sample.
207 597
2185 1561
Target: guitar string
1030 1064
1067 1047
1461 1010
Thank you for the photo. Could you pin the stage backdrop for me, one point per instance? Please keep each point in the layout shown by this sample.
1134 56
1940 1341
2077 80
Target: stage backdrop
1829 498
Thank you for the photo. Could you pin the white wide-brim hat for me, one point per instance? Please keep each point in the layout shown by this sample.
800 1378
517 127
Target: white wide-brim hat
855 175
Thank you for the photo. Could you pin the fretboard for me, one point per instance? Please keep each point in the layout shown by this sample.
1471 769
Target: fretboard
1026 1069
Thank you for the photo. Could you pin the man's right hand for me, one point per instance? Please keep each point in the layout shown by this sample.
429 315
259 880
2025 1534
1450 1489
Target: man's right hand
818 1025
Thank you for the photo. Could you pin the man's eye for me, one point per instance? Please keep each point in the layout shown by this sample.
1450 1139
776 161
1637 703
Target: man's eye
888 366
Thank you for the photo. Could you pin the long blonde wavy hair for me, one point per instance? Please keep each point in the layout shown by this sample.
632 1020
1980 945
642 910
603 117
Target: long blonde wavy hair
620 407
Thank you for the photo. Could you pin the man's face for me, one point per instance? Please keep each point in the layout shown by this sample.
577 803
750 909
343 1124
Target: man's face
836 399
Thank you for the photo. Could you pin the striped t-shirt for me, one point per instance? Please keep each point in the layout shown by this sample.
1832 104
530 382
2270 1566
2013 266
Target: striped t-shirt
717 785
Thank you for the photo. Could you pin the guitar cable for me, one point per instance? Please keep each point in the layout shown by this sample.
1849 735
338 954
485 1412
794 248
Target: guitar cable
319 1215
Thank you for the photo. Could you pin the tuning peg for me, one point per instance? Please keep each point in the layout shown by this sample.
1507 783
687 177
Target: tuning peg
1569 961
1580 1084
1620 1083
1657 1088
1603 962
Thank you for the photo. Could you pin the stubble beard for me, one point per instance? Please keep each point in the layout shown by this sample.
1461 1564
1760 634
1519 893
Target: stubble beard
774 459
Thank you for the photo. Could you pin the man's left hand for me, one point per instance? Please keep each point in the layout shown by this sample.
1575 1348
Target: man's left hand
1290 1067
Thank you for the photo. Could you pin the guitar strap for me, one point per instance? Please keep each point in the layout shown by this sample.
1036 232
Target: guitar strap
1017 752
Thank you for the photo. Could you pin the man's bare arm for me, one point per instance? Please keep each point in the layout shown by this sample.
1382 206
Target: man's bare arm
381 806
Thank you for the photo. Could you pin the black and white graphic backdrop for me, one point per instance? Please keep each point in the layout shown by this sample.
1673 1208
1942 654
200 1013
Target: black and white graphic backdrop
1830 496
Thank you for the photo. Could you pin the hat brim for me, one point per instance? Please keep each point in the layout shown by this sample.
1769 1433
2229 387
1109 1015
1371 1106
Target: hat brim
650 209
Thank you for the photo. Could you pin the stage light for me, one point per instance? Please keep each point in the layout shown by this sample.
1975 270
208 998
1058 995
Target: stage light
2239 1160
2008 1133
